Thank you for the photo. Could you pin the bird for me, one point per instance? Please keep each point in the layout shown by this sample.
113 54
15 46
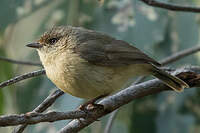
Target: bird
89 64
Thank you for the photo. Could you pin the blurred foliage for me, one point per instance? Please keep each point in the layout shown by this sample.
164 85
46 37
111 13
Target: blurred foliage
158 32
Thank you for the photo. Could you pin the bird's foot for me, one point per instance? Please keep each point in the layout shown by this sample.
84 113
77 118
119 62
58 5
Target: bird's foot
91 105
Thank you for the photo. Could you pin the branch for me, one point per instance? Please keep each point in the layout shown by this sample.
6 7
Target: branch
19 62
190 75
22 77
170 6
180 55
33 118
42 107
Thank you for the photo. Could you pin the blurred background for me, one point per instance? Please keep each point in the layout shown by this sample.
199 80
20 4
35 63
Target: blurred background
157 32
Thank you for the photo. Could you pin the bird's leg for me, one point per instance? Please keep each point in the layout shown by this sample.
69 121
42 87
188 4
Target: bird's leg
90 105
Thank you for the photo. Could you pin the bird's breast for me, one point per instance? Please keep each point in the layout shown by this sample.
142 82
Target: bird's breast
76 76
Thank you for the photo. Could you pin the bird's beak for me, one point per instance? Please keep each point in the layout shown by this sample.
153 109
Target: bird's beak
34 45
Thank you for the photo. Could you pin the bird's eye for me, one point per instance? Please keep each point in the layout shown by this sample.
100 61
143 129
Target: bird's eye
52 41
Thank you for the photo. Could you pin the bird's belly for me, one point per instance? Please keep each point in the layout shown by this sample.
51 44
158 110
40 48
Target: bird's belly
85 80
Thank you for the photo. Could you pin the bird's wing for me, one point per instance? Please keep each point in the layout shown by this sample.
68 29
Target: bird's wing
106 51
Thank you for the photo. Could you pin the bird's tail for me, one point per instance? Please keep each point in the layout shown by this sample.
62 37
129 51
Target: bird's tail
173 82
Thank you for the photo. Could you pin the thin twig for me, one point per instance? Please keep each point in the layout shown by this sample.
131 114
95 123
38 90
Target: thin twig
170 6
180 55
42 107
22 77
190 75
110 121
19 62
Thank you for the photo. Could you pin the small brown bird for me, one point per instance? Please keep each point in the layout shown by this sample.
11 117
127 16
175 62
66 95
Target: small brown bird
88 64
